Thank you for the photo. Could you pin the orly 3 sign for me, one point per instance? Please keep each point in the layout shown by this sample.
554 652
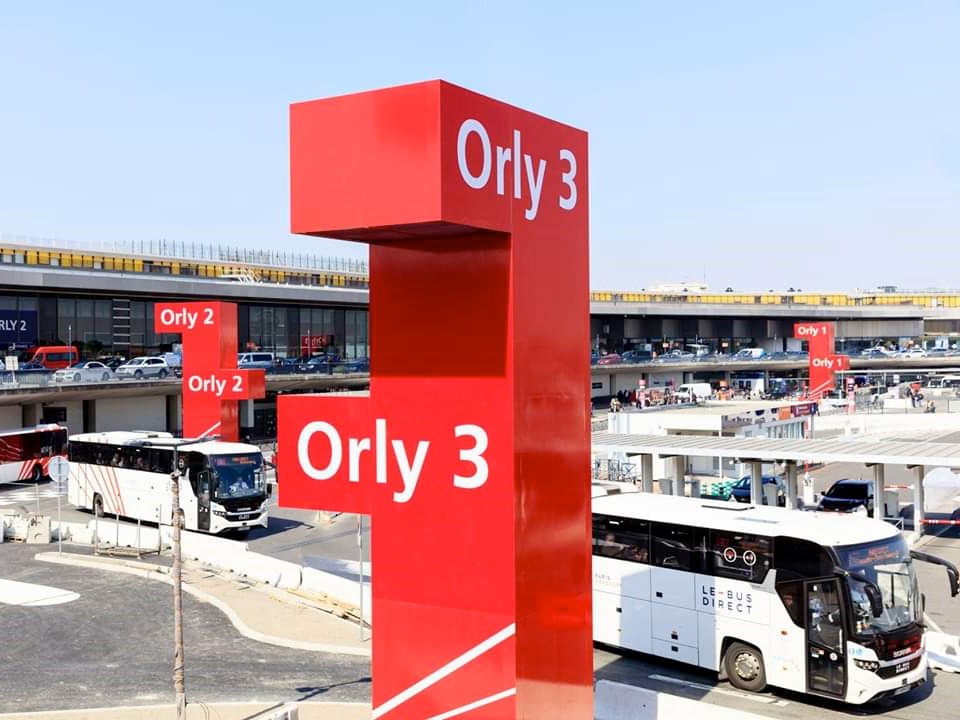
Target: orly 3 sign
469 461
212 384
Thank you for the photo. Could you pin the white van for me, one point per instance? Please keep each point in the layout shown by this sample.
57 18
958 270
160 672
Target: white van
699 391
749 354
255 360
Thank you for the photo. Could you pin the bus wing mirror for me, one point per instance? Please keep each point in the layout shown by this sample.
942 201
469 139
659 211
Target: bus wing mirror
876 599
874 595
953 575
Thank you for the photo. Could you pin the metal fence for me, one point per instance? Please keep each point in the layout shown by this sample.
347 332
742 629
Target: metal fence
209 252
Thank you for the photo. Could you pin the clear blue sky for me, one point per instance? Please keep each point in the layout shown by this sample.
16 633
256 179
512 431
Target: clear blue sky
760 145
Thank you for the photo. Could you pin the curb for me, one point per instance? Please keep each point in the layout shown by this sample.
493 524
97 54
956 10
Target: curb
155 572
246 709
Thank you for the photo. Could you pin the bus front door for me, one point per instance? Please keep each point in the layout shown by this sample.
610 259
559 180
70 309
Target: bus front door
825 648
203 501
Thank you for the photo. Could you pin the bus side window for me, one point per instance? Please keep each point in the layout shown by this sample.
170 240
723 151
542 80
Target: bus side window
677 546
621 538
793 558
791 594
739 556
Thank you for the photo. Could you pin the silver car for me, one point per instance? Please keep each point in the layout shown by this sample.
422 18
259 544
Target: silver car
86 371
144 367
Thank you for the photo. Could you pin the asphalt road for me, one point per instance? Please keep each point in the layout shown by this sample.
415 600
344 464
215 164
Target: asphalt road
114 646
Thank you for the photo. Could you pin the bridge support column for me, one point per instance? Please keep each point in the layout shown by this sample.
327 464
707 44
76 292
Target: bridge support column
646 472
791 468
756 483
918 498
679 465
878 488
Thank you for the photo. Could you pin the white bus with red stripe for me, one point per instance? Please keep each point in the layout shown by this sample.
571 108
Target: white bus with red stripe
128 474
25 453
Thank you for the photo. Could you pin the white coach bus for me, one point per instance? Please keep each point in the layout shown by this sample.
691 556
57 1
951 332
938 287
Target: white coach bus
222 484
819 603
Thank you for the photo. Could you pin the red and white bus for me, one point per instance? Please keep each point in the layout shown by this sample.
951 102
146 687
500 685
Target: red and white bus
25 453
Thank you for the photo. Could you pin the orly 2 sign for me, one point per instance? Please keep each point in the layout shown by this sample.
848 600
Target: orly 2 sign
212 384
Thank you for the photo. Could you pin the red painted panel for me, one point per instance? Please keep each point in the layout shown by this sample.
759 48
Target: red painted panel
472 451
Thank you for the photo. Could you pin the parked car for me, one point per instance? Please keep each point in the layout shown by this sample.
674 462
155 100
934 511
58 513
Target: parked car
675 355
749 354
914 352
354 365
876 351
848 495
256 361
319 363
740 491
112 361
144 367
610 359
636 356
85 371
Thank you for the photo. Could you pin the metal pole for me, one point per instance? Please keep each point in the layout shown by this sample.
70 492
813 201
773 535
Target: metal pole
176 573
59 525
360 544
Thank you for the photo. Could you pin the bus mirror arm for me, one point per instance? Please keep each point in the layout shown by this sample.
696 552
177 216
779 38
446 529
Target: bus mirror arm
953 575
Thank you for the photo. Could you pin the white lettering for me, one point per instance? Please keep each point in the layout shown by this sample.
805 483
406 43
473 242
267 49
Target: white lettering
528 170
212 384
822 362
503 156
409 473
473 126
569 179
410 465
355 447
535 184
303 450
474 456
183 317
380 432
517 187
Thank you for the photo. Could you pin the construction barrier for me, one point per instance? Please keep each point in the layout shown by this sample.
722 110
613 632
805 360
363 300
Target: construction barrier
943 651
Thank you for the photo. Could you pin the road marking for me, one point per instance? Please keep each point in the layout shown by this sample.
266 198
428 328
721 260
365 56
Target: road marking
763 699
23 496
20 593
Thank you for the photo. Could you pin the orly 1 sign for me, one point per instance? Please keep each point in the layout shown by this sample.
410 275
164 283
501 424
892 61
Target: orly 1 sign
212 384
470 462
823 363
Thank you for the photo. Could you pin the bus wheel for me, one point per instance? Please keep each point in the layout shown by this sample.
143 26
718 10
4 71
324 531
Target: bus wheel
36 475
744 666
98 506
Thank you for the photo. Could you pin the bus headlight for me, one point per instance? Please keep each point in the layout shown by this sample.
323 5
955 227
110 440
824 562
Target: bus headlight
868 665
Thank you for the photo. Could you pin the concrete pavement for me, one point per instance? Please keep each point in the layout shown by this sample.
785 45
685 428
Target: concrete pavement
258 612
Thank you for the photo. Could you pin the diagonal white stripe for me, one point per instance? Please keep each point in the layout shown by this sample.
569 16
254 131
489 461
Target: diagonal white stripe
210 429
474 705
448 669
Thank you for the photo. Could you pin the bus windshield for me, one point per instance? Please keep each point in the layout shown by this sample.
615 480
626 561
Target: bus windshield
237 476
887 564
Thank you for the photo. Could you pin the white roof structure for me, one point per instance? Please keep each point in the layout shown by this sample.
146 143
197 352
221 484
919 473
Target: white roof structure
826 528
886 452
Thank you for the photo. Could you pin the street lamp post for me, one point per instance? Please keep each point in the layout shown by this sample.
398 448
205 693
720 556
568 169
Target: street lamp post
179 687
